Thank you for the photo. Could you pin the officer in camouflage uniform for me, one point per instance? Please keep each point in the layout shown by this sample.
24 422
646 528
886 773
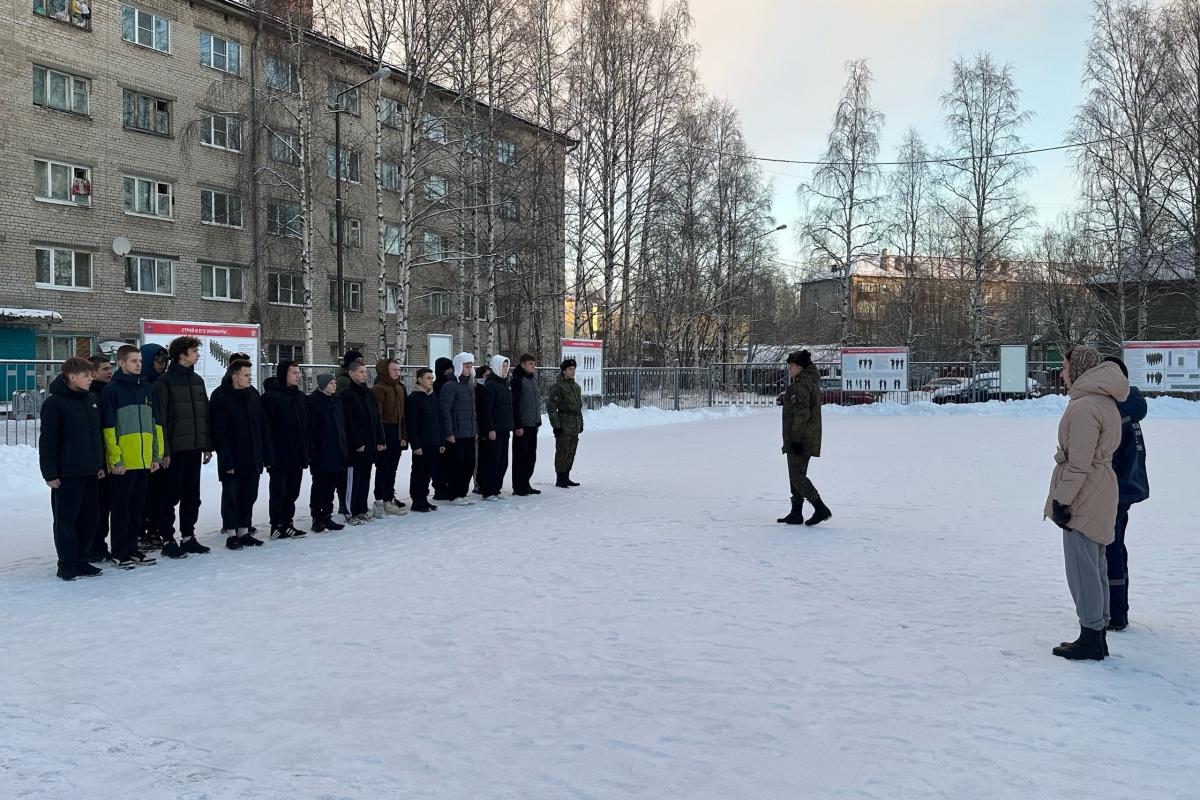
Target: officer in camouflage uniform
564 404
802 436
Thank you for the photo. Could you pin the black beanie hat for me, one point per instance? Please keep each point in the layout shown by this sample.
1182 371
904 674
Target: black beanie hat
801 358
566 365
350 357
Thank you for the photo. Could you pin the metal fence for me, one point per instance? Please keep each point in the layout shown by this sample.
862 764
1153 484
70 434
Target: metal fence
23 384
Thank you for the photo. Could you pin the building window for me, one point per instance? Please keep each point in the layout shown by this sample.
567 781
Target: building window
351 295
389 176
439 304
434 246
62 183
60 268
284 147
473 144
222 131
61 346
76 12
282 75
219 282
220 208
348 101
351 234
148 275
141 112
435 188
278 352
284 219
510 210
220 54
512 263
61 90
148 197
389 112
285 288
393 297
433 129
391 240
506 152
349 162
145 29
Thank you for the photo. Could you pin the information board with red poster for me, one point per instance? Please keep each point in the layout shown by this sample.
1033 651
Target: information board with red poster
875 369
589 364
1163 366
218 341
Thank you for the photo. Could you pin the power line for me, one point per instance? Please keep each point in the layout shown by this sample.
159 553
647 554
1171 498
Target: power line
946 160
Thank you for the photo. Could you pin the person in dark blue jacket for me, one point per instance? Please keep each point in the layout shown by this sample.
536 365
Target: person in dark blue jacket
158 488
327 451
1129 462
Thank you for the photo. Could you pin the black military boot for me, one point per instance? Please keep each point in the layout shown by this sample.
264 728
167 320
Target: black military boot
796 515
1090 646
821 513
562 481
569 481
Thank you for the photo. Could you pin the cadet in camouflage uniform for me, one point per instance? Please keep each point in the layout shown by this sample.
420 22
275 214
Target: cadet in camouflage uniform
802 436
564 404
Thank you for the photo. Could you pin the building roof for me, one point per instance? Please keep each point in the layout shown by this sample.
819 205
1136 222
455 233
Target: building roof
29 315
776 354
252 7
1174 265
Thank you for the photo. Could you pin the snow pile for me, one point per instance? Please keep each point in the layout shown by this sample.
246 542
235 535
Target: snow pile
22 474
619 418
1048 406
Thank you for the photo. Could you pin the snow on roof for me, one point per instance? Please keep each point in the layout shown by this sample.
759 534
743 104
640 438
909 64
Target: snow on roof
29 315
775 354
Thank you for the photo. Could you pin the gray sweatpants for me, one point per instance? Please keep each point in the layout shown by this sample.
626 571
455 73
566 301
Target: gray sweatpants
1087 576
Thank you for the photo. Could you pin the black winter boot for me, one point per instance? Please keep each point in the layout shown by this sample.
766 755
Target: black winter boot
190 545
171 549
821 513
796 515
562 482
1090 646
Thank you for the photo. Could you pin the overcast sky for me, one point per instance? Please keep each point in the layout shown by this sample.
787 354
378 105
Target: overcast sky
781 64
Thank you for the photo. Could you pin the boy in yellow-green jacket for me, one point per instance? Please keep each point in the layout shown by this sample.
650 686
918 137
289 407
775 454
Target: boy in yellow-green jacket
133 444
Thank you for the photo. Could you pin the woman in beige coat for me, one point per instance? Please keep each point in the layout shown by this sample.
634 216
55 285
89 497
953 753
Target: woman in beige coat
1083 492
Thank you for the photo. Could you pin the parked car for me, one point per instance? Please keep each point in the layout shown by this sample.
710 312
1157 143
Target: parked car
943 383
832 394
982 389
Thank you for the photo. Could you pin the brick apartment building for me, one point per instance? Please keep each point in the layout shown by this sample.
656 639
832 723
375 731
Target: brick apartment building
136 121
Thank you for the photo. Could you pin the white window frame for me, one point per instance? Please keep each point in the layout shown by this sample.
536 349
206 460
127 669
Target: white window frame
73 82
291 144
42 189
431 125
296 352
131 96
506 151
436 188
233 276
52 255
212 53
334 160
271 67
208 205
391 240
208 130
137 27
442 248
389 176
440 303
296 222
350 291
351 101
390 298
295 289
351 236
158 265
393 118
132 193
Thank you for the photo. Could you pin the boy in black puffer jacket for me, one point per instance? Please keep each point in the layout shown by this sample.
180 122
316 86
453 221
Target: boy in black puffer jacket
243 444
364 441
425 436
327 451
287 422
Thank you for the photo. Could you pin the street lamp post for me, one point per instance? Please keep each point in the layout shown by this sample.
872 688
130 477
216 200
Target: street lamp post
339 212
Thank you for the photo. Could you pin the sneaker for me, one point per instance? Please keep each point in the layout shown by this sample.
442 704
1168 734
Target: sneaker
234 542
421 509
318 525
190 545
363 519
124 563
252 529
100 557
173 550
280 533
489 498
395 508
296 533
248 540
354 521
68 572
532 490
142 560
379 509
333 525
86 570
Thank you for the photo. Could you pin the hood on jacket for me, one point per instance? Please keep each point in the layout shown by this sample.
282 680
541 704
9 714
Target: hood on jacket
1105 380
497 364
381 372
149 353
270 384
459 360
60 387
440 366
281 371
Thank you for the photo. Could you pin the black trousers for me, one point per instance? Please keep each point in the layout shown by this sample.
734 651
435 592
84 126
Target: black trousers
358 483
99 545
73 505
181 487
157 491
493 463
388 464
524 458
284 489
443 474
423 468
1118 567
320 494
128 493
238 493
463 466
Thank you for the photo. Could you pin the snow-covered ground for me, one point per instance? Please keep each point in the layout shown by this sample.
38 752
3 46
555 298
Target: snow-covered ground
652 634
